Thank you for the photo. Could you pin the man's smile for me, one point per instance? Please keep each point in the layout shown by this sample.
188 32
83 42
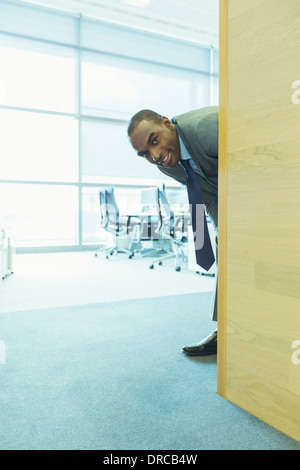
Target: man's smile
165 160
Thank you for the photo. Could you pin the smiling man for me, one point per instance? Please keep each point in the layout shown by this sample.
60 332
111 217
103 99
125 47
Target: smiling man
156 140
168 144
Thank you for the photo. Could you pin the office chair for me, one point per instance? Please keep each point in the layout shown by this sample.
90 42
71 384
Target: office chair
173 228
151 224
125 228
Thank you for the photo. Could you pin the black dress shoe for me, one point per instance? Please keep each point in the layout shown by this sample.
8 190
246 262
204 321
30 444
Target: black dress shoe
206 347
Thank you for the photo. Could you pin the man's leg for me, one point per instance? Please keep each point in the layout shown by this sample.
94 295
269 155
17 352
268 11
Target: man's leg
208 345
214 305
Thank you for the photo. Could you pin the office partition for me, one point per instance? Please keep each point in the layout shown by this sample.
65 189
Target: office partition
259 221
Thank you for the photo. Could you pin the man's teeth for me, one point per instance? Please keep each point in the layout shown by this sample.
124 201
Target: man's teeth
161 162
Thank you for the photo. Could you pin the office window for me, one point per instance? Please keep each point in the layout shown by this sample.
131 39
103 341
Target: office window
68 87
39 23
215 62
40 215
202 92
92 232
37 146
35 75
120 88
117 41
215 100
106 152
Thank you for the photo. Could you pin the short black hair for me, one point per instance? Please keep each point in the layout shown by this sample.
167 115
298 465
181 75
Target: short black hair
143 115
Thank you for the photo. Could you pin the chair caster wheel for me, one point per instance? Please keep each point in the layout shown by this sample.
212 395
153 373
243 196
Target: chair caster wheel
178 269
152 266
160 263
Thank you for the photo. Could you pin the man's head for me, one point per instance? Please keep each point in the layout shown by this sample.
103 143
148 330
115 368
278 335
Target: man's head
155 138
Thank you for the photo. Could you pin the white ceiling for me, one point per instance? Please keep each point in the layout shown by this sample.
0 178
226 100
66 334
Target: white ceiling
193 20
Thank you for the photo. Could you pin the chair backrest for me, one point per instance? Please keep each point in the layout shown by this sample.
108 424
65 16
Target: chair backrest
151 213
103 208
173 225
167 213
112 206
109 211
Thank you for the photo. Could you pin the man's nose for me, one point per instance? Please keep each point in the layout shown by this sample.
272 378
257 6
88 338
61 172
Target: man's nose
155 155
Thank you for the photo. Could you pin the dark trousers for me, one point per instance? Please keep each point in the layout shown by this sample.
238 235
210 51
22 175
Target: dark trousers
214 304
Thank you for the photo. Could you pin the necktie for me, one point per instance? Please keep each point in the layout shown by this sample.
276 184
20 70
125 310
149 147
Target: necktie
204 253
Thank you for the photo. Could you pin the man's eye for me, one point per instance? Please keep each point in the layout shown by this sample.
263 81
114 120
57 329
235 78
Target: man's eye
154 141
143 155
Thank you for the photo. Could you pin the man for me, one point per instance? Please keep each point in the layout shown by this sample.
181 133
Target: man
167 143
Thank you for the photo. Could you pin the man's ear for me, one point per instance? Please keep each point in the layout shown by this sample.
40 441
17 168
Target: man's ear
166 122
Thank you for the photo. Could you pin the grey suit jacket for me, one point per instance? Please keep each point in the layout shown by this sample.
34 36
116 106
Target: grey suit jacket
198 130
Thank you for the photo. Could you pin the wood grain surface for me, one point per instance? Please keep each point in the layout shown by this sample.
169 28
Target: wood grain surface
259 200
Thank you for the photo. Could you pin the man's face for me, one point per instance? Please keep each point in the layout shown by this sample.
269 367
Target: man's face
158 143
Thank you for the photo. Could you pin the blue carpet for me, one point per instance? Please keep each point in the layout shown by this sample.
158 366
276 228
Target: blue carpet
111 376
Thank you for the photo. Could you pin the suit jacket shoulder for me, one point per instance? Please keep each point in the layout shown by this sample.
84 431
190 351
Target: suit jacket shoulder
199 132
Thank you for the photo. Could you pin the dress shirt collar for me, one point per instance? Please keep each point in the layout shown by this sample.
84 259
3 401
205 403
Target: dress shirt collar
184 154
